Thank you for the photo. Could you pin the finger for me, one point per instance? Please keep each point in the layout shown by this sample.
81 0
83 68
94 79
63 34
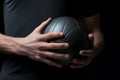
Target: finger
82 61
56 45
49 62
43 25
77 66
54 55
51 35
90 36
51 46
89 53
91 40
79 63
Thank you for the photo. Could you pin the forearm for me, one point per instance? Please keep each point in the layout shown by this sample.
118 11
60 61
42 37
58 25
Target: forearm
8 45
92 23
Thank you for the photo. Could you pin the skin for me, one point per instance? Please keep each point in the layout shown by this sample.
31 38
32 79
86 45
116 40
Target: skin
35 45
95 35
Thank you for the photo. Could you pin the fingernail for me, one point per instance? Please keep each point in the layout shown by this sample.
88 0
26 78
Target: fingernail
80 52
66 45
49 18
61 34
67 56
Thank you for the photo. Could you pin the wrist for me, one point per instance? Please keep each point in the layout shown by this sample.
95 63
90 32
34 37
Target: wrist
9 45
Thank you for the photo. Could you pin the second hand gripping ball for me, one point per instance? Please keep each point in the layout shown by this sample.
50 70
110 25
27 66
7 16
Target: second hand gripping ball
74 34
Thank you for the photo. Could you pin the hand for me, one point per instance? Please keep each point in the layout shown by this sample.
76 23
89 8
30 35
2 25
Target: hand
35 45
88 55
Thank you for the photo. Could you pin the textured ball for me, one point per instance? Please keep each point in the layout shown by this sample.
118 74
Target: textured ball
74 34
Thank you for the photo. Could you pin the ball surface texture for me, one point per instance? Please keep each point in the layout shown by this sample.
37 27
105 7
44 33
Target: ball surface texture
74 34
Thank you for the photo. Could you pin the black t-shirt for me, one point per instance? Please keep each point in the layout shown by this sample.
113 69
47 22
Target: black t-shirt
20 19
22 16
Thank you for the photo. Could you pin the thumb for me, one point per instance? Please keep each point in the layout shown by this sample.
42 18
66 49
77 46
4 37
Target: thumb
91 37
91 40
43 25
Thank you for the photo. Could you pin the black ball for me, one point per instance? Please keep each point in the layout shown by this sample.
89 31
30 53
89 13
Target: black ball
74 33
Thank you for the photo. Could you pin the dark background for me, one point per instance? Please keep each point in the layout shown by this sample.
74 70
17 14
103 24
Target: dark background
108 61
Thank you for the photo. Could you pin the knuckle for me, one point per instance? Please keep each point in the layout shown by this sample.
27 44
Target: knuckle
49 46
37 57
54 34
37 46
57 45
64 45
52 55
52 46
62 56
51 34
